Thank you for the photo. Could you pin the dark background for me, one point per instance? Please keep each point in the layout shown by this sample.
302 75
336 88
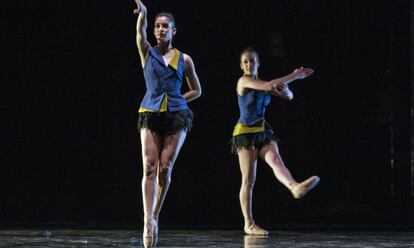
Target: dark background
71 84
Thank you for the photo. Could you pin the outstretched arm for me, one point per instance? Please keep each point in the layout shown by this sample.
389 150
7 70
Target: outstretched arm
192 80
282 89
142 43
299 73
246 82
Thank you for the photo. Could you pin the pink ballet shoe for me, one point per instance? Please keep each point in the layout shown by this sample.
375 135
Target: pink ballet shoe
148 238
300 189
255 230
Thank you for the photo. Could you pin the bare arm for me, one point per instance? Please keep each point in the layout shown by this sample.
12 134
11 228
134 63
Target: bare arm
299 73
282 89
246 82
142 43
192 80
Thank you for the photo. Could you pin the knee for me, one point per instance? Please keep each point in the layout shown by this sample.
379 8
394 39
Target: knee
150 168
275 160
166 168
248 183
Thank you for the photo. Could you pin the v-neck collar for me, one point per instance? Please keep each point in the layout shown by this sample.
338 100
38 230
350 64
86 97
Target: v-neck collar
173 61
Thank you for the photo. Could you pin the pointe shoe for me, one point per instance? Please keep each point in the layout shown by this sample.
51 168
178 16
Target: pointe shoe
255 230
300 189
147 240
148 234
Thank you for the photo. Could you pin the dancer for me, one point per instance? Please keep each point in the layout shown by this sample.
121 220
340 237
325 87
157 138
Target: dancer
253 138
164 117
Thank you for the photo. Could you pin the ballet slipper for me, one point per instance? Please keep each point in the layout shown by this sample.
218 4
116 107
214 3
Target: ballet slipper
300 189
255 230
148 233
147 240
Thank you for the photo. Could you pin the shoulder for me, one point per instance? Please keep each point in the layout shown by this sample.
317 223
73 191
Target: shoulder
187 58
188 62
244 79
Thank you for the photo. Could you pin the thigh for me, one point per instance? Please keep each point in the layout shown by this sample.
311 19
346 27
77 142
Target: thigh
248 162
270 153
171 146
151 143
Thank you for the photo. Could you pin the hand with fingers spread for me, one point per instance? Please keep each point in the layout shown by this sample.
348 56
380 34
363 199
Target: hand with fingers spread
301 73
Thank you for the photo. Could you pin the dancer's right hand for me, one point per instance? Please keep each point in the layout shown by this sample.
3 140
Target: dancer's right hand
140 7
301 73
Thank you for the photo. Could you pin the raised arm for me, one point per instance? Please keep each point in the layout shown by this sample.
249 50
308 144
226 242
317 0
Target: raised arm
192 80
142 43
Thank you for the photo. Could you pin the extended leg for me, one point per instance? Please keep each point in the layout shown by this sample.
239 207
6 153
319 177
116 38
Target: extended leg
270 153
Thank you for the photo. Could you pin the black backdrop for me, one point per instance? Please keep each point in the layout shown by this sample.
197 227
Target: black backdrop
71 84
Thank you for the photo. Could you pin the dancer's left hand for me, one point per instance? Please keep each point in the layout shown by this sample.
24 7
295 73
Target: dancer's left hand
282 88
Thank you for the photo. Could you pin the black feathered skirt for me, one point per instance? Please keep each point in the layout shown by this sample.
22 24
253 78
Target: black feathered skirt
166 123
253 140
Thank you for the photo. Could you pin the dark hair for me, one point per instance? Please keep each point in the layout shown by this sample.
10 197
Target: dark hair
250 50
167 14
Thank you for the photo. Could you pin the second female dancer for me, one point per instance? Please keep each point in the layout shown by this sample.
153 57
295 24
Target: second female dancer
253 138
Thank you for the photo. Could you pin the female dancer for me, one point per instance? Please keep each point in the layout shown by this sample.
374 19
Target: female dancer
253 138
164 117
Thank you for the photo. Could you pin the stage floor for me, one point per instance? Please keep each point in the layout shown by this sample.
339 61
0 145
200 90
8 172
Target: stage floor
181 238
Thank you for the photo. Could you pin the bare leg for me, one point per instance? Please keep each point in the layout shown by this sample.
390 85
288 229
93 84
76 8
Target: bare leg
248 165
171 147
150 143
270 154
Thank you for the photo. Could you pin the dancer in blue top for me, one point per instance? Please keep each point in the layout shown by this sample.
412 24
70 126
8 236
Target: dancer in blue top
164 117
253 138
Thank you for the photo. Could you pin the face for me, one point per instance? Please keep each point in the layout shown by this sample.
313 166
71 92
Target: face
249 63
163 29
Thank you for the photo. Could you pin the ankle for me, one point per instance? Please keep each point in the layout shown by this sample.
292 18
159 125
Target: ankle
292 185
249 222
148 219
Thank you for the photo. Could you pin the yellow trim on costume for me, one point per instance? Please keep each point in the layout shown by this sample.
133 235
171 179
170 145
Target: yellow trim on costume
174 61
242 129
164 103
163 108
143 110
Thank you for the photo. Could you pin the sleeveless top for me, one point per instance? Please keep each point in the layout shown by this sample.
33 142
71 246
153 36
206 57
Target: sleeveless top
163 83
252 106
